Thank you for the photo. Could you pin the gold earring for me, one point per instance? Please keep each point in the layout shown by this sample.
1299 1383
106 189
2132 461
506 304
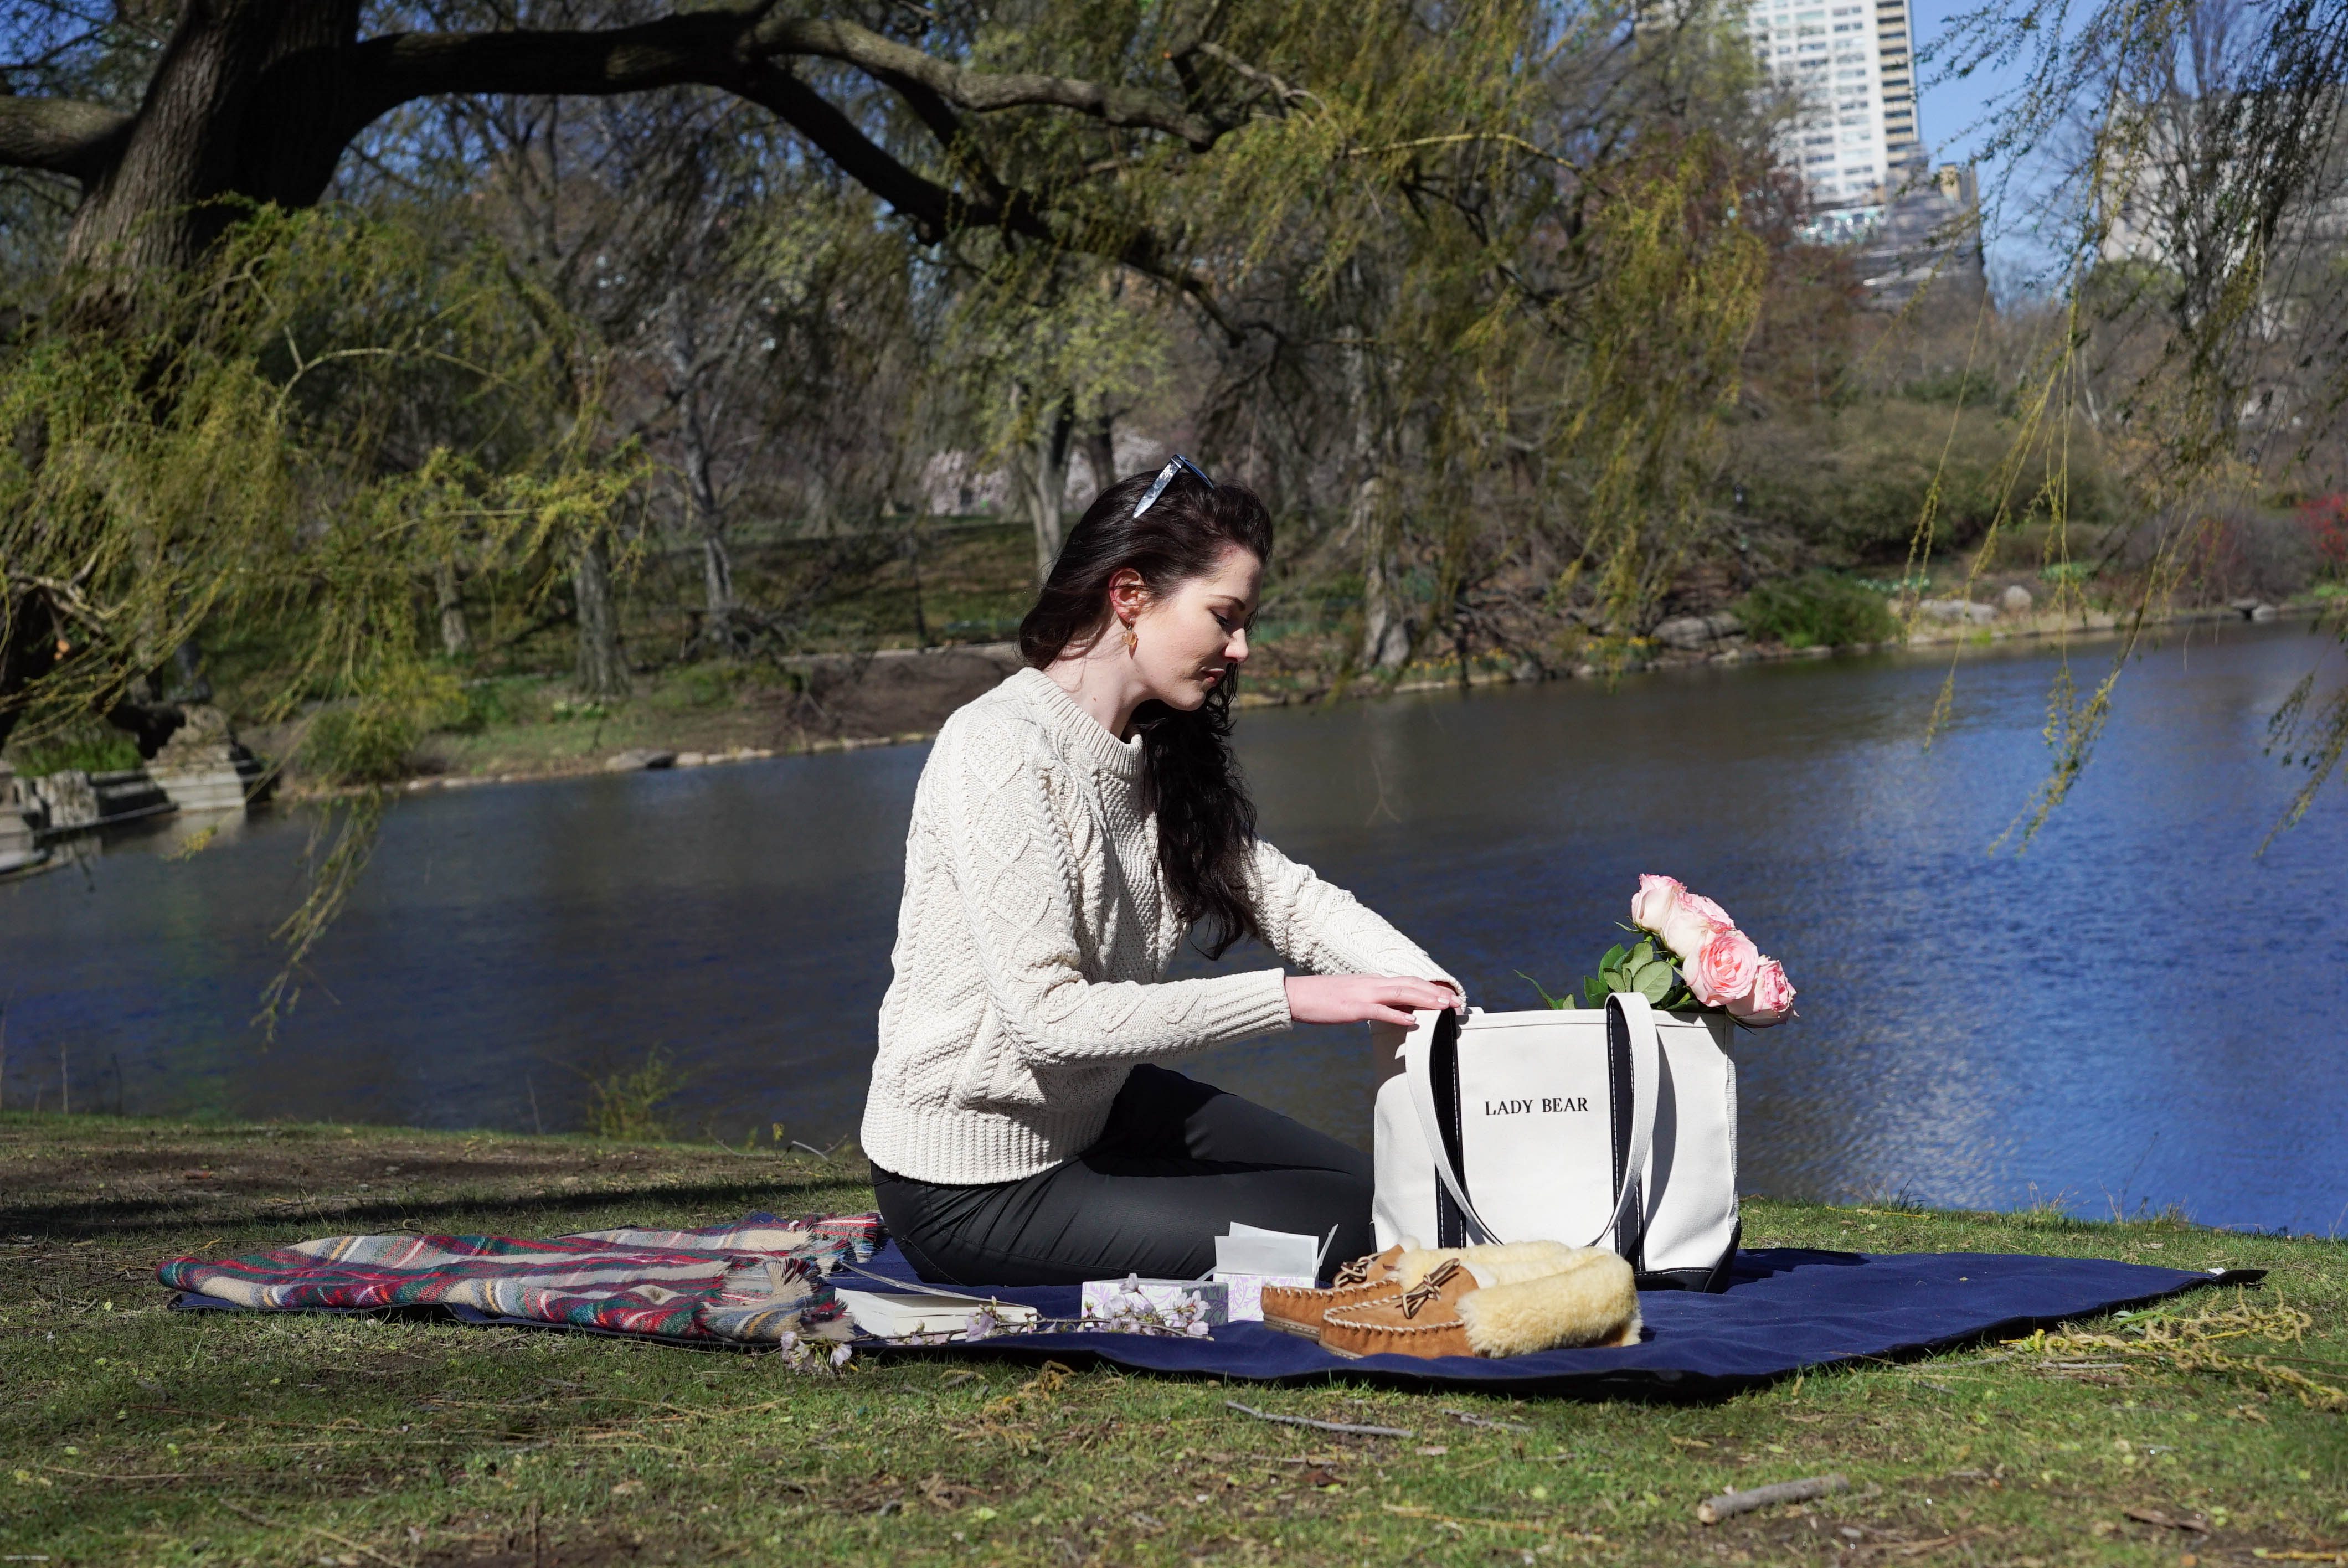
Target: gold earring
1132 640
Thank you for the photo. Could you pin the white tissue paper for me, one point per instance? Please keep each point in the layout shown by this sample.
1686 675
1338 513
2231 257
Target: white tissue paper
1250 1257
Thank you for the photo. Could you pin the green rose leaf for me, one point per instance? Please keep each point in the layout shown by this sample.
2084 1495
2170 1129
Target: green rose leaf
1614 956
1642 956
1654 982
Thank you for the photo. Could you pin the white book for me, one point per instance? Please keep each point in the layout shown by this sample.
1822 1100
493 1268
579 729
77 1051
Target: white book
893 1314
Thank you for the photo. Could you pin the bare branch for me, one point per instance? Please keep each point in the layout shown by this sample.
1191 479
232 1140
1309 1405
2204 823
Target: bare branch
60 135
736 49
1288 94
934 210
978 90
719 47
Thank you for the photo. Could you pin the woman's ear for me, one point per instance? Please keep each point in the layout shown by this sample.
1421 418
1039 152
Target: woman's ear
1129 595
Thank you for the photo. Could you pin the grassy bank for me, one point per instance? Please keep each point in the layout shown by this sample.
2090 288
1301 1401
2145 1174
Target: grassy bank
534 727
134 1435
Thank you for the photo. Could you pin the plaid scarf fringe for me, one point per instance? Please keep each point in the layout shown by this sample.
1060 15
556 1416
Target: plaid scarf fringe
760 1281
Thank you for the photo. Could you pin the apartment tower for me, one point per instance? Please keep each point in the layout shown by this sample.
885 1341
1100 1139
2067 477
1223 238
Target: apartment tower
1852 66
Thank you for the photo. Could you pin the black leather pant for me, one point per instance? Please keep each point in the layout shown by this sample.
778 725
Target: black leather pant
1179 1160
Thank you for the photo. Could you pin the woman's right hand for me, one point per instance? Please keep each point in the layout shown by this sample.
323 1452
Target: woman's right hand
1364 999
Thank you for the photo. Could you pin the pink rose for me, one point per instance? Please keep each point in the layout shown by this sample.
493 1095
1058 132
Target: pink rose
1687 928
1706 907
1769 1001
1654 905
1722 967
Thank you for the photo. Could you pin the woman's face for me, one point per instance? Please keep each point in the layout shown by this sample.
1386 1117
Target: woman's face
1195 638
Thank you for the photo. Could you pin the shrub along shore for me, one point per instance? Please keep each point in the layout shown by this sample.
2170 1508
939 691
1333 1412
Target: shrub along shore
139 1436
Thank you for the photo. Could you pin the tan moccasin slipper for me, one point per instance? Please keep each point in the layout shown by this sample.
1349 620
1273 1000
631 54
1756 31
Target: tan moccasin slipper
1299 1309
1464 1308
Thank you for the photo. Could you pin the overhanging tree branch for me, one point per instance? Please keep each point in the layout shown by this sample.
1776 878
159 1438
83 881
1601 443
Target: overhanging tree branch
718 48
983 91
61 136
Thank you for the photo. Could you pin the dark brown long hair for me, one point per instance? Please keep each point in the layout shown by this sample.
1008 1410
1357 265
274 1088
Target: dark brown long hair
1206 821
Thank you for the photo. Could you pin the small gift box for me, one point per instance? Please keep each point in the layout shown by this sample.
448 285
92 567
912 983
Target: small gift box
1250 1257
1190 1301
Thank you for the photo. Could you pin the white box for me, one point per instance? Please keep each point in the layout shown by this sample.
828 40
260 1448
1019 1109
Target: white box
1247 1291
1165 1295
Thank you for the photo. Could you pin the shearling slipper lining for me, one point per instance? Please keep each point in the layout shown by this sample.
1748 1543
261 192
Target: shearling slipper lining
1504 1262
1594 1302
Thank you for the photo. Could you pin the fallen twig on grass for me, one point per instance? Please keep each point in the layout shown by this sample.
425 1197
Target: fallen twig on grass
2154 1516
170 1475
1320 1426
1409 1511
1476 1420
1729 1504
1917 1548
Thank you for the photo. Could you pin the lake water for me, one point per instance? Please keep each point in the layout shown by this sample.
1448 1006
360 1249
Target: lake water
2135 1012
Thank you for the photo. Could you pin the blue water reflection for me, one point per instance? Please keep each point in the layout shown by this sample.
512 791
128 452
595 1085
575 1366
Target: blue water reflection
2137 1011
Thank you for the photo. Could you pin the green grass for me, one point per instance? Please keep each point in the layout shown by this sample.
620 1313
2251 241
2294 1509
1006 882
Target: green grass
90 748
134 1435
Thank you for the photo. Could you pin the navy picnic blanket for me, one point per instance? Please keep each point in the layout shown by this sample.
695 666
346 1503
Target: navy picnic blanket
1786 1309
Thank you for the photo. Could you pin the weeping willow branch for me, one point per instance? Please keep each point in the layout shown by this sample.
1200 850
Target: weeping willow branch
290 440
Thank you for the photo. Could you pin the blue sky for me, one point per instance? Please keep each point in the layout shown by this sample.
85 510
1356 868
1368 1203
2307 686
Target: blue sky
1951 112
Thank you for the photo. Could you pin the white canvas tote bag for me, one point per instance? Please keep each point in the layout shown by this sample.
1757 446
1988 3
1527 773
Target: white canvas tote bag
1613 1128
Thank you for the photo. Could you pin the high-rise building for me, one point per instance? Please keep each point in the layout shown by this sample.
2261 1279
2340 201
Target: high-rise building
1851 65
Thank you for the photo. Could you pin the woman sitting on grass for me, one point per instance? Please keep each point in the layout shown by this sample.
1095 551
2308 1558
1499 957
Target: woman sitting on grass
1071 826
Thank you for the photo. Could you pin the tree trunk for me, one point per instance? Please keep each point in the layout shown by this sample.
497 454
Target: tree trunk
721 629
1386 629
243 102
456 636
1100 454
1385 626
602 672
1040 473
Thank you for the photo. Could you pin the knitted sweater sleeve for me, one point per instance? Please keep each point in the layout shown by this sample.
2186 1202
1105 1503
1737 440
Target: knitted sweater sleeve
1319 927
1010 865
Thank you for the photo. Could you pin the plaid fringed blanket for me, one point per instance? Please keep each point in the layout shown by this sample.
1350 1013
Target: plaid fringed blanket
756 1282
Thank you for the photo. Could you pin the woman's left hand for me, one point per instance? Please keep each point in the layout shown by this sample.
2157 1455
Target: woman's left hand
1367 998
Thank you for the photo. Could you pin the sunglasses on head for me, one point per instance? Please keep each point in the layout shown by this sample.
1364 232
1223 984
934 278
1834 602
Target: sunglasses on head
1174 465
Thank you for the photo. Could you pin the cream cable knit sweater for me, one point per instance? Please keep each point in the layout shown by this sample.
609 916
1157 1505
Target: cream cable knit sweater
1032 944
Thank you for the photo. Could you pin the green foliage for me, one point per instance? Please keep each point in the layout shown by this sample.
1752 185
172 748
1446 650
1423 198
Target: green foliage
296 435
87 748
361 743
1817 611
1858 484
1960 388
1644 966
629 1103
478 704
